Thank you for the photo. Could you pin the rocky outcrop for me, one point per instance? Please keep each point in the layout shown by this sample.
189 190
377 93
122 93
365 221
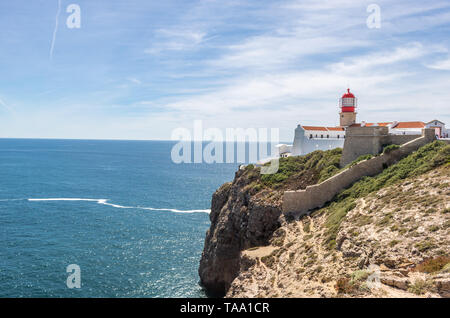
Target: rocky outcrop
238 221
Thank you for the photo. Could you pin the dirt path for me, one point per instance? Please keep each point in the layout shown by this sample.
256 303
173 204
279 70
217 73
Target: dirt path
317 230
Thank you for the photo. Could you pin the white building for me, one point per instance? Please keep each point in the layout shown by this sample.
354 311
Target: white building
412 127
439 127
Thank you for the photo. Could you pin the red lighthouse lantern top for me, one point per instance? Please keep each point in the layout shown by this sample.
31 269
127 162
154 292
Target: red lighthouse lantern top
348 102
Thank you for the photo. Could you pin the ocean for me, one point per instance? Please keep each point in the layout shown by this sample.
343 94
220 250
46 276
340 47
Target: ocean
131 219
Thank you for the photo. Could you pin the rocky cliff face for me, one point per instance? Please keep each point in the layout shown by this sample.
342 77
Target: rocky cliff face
238 221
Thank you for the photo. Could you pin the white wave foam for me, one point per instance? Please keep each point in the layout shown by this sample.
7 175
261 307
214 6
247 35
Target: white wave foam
105 202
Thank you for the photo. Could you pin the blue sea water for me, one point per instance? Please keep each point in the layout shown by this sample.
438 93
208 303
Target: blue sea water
133 220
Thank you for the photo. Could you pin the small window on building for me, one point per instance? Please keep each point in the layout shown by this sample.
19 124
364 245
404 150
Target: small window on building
321 136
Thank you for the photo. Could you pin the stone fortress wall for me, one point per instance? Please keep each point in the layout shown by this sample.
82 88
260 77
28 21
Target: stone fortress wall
369 140
366 140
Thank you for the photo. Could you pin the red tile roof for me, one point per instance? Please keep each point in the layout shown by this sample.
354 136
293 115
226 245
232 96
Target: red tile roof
321 128
403 124
410 124
314 128
377 124
335 128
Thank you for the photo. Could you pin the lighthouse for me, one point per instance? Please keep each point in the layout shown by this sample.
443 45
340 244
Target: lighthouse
347 104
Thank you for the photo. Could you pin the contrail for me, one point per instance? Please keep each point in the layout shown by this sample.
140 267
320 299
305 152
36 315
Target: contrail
2 102
54 31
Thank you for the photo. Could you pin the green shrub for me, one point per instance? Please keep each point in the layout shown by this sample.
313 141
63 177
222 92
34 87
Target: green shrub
446 268
334 221
393 243
390 148
359 159
433 228
430 210
420 287
306 227
360 275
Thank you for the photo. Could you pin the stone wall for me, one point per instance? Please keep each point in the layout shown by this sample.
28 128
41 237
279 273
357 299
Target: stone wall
401 139
317 195
369 140
361 141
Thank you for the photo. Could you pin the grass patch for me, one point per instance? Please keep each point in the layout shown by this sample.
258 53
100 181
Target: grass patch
393 243
387 219
315 166
425 246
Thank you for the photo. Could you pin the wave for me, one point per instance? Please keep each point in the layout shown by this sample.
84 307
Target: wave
105 202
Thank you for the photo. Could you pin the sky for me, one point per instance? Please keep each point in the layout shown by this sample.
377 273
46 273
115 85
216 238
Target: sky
139 69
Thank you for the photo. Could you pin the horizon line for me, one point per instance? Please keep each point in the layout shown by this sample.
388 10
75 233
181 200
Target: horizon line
111 139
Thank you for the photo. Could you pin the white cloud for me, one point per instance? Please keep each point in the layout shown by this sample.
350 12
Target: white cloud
134 80
176 40
440 65
270 51
367 62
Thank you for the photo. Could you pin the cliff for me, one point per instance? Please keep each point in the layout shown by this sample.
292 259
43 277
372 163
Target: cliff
386 236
